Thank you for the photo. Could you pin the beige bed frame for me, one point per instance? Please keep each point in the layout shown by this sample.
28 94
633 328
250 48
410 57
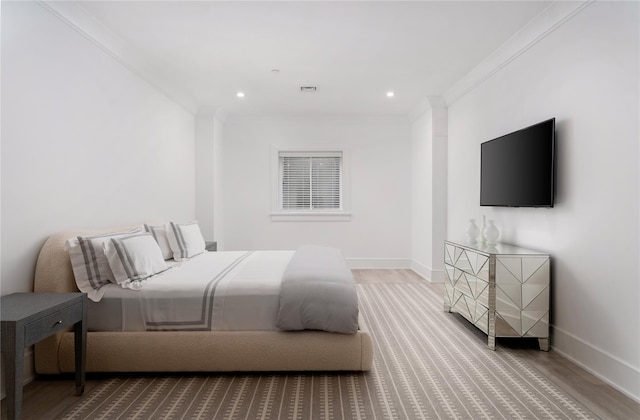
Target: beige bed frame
188 351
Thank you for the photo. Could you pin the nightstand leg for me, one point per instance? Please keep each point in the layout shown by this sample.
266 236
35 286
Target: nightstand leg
80 341
13 353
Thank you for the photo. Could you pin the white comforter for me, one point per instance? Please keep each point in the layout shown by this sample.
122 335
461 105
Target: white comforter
212 291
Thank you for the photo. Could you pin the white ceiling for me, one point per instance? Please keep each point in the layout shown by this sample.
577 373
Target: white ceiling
354 52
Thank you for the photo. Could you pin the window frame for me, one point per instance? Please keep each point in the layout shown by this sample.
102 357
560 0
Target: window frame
279 215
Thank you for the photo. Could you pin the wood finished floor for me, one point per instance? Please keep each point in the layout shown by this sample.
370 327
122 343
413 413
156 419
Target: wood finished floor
48 397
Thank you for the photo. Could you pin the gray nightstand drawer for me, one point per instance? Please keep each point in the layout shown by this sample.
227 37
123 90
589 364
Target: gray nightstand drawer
50 324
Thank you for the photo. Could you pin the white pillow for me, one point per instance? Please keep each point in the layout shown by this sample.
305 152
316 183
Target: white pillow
186 240
160 235
133 259
90 266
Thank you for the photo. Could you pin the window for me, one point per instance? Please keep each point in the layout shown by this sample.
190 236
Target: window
310 184
310 181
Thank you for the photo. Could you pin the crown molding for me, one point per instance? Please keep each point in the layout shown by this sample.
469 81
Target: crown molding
427 103
89 27
551 18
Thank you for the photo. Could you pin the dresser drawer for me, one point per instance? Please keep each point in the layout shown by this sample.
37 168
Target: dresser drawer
468 284
482 319
470 309
467 260
50 324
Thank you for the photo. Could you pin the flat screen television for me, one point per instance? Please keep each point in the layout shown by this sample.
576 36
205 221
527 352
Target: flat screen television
518 169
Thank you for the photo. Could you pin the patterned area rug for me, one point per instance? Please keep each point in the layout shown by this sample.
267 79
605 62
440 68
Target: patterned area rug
427 365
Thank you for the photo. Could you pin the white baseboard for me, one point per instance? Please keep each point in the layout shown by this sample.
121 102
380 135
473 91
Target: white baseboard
427 273
609 368
29 373
399 263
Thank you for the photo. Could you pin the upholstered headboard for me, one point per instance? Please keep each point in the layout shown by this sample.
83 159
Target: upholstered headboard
54 274
53 269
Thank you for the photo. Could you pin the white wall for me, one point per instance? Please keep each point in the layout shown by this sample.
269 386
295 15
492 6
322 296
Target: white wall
85 142
204 160
378 233
429 191
422 194
208 149
218 173
585 74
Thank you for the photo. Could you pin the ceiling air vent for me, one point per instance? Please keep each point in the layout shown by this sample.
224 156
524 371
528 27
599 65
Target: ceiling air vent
308 88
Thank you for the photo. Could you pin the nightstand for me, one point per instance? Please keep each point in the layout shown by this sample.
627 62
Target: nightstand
211 246
30 317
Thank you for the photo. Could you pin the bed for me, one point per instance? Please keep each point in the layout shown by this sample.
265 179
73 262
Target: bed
250 346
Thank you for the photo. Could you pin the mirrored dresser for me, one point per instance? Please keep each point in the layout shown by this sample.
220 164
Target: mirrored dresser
501 289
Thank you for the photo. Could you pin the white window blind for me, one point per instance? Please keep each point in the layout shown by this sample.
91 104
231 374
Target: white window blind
310 181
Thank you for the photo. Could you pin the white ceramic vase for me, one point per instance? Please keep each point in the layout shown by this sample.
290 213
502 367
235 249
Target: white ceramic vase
472 230
482 228
491 233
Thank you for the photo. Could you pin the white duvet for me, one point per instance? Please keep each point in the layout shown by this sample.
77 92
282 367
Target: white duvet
212 291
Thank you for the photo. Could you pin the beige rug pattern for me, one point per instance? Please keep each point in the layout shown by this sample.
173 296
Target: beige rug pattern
428 364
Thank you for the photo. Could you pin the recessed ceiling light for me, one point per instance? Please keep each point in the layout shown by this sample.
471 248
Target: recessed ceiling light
390 94
240 94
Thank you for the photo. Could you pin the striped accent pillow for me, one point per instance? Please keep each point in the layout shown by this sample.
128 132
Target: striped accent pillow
160 235
90 266
186 240
134 258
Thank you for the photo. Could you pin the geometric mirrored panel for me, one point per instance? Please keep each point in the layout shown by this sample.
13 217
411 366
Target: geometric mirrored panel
483 296
479 286
462 285
481 319
540 328
481 268
508 296
461 306
504 274
535 296
472 257
457 252
449 272
457 274
539 276
448 254
533 264
448 295
535 324
456 298
508 324
513 265
463 261
480 311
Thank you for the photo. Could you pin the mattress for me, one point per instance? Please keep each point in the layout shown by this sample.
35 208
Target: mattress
214 291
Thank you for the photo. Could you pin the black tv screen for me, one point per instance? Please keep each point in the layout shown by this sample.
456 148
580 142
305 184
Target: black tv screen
518 169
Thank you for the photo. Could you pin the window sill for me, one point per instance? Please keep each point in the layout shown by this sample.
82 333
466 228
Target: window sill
310 217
